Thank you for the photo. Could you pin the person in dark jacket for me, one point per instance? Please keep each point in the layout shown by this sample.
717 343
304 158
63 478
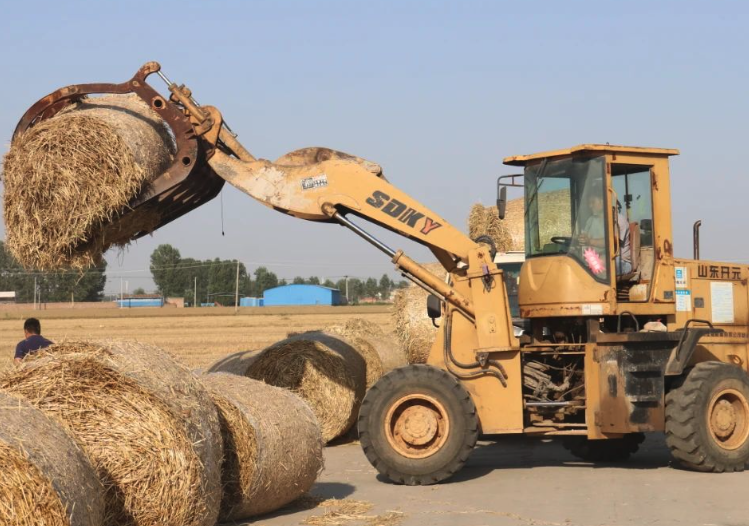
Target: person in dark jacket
33 340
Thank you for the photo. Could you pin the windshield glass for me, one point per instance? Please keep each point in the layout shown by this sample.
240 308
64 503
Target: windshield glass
565 212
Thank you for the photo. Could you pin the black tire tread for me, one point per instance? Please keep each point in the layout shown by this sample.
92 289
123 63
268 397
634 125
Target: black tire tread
411 374
684 419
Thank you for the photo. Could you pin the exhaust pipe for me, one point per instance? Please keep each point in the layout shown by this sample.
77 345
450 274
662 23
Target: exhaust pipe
696 236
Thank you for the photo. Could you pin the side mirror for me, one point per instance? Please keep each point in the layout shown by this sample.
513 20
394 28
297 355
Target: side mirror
434 307
502 202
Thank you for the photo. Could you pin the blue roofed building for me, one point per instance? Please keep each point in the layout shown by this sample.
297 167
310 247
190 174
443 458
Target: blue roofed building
301 295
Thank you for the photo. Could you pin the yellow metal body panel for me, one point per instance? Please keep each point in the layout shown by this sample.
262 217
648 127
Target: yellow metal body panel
715 292
552 286
522 160
559 286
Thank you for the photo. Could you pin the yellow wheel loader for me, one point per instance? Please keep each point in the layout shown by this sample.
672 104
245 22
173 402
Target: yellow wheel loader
622 337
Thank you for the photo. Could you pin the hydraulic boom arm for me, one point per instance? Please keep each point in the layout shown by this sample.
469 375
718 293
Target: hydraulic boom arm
316 184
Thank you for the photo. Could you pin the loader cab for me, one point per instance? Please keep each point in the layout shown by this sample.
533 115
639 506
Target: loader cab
597 231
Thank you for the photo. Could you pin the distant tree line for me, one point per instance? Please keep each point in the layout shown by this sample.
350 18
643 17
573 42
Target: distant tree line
57 286
176 276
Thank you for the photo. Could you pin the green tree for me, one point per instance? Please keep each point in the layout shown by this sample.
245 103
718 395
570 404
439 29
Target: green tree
139 291
63 285
329 284
313 280
191 270
370 287
167 269
264 280
341 285
385 286
72 285
298 280
356 290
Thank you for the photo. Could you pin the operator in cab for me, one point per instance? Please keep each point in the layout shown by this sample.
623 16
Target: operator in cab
33 340
593 233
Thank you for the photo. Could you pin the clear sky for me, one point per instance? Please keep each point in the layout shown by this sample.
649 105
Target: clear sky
436 92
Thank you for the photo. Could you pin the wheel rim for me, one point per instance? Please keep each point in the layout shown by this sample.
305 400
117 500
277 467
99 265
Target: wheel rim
728 418
417 426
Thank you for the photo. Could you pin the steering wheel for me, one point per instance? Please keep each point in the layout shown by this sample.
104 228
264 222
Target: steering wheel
562 240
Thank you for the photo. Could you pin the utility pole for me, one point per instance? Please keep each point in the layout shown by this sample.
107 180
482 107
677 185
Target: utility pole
195 296
122 294
236 291
347 298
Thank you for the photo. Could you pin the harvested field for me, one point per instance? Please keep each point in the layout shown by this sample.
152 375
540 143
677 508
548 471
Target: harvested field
198 337
69 179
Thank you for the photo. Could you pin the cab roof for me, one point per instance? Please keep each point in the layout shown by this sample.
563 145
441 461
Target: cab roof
522 160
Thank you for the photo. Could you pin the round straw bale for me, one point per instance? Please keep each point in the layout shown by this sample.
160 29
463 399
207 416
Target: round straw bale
435 268
236 363
413 327
389 354
147 424
45 479
324 370
484 221
364 348
69 178
272 445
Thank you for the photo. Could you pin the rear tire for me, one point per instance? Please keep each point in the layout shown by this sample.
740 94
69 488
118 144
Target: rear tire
606 450
707 418
418 425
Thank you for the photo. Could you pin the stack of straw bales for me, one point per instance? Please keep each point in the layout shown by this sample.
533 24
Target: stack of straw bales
484 221
272 445
69 178
323 369
45 479
413 328
148 426
509 233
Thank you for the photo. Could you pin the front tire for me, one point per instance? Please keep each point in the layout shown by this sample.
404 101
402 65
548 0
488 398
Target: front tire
707 418
418 425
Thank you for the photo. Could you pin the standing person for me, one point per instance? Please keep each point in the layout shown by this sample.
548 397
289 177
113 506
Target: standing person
33 339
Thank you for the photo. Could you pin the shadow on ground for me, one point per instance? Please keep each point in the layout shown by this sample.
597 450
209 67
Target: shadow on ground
319 492
509 452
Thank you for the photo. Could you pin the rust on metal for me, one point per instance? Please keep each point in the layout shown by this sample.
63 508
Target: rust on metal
417 426
728 419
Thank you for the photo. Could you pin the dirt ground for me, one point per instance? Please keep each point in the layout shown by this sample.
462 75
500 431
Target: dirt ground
198 337
531 482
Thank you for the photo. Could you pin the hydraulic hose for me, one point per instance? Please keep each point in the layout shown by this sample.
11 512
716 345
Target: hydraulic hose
449 358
